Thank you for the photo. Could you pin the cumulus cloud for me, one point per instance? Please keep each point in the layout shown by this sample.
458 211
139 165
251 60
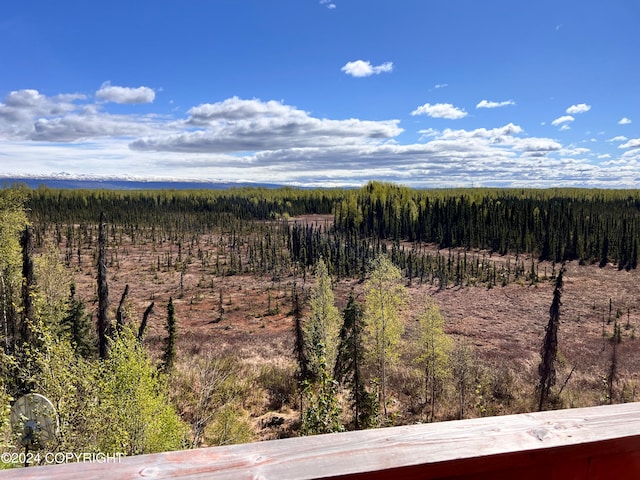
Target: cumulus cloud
440 110
502 135
579 108
360 68
271 141
125 95
633 143
572 152
22 105
235 108
31 115
619 138
488 104
624 121
561 120
250 125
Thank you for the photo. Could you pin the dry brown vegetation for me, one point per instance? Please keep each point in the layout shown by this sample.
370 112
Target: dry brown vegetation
249 317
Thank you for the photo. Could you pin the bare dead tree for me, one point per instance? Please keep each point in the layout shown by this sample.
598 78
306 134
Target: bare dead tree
143 324
119 312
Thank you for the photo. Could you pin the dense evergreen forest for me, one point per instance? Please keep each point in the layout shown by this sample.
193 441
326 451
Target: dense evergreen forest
592 226
382 238
465 225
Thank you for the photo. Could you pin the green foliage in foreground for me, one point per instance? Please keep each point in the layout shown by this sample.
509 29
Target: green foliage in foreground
119 405
138 416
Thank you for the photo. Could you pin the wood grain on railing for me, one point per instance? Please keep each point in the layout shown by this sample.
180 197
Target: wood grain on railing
582 443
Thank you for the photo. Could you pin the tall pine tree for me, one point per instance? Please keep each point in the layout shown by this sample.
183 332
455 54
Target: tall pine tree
549 350
169 356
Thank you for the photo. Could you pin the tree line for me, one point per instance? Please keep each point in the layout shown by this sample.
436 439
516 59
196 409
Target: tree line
591 226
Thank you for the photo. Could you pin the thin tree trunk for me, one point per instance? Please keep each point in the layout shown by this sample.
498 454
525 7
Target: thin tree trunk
119 313
143 324
103 291
28 282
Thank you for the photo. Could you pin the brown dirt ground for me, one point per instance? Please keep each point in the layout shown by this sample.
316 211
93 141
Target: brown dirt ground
505 324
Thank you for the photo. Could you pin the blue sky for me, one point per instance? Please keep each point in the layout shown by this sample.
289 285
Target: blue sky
323 92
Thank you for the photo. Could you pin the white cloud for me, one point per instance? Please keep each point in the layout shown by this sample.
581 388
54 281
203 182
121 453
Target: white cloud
440 110
360 68
330 5
238 125
574 151
235 108
561 120
633 143
126 95
30 115
488 104
580 108
604 156
619 138
269 141
624 121
565 127
495 135
441 85
537 146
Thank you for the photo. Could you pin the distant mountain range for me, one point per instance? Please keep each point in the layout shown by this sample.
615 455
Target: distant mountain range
89 183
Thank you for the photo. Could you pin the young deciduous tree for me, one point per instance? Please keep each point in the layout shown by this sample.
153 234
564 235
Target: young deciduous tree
463 371
51 290
5 410
202 390
12 221
322 326
385 295
435 347
321 331
136 414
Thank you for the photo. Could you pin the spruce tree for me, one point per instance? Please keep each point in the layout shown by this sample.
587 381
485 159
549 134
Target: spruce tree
28 284
77 323
549 350
349 365
612 376
104 325
169 356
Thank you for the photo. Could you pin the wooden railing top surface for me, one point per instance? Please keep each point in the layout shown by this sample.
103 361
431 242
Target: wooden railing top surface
462 449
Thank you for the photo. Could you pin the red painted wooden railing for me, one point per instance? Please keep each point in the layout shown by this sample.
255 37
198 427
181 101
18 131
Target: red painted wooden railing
582 443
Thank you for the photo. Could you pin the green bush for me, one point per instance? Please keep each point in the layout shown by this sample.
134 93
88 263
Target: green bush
280 384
